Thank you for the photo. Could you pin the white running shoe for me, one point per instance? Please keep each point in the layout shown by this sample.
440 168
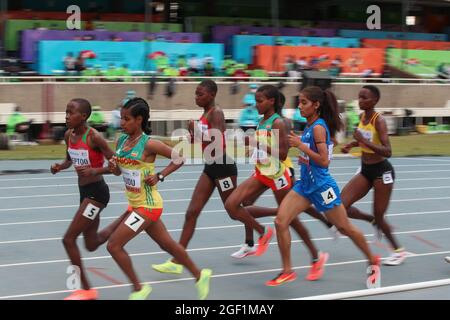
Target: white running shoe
447 259
395 259
244 251
334 233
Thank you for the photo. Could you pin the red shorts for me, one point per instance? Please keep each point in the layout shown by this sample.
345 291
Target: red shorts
152 213
281 183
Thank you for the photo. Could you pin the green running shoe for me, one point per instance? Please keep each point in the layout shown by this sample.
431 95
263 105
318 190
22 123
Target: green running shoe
168 267
202 284
141 294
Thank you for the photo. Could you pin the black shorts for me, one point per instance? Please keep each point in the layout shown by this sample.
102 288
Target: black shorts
98 191
381 170
227 168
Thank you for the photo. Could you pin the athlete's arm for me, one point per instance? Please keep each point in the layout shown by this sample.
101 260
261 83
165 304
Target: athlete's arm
320 138
155 147
385 149
347 147
217 121
55 168
112 164
280 135
97 142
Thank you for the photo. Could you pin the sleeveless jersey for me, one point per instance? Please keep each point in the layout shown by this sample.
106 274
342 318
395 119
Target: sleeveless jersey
134 170
82 155
369 132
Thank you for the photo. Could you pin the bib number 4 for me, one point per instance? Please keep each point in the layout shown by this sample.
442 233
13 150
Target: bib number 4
328 195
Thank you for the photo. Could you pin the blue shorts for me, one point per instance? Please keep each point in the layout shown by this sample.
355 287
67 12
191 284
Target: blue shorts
325 198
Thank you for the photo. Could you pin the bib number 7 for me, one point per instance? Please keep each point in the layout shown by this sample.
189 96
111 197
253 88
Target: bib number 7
134 221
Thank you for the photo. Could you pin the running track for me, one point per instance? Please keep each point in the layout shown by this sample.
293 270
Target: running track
36 209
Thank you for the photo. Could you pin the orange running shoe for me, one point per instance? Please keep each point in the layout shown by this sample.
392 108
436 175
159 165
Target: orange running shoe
374 274
281 278
318 268
90 294
263 241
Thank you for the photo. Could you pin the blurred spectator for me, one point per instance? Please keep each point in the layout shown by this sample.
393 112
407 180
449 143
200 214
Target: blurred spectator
18 123
194 64
443 71
208 67
302 64
69 62
354 62
249 116
79 63
130 95
289 66
352 119
97 119
114 125
181 61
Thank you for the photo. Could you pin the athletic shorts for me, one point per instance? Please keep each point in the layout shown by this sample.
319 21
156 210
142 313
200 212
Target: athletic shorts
325 198
152 213
227 168
98 191
381 170
280 183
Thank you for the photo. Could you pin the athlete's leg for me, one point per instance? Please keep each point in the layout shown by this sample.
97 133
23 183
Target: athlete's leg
87 214
233 204
290 207
338 217
353 191
129 228
382 196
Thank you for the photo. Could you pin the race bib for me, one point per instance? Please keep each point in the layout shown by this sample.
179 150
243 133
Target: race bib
134 221
202 127
79 157
387 177
226 184
303 157
91 211
132 179
330 151
260 155
366 134
328 195
281 182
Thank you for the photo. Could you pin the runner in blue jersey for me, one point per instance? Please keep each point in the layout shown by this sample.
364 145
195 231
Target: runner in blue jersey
316 186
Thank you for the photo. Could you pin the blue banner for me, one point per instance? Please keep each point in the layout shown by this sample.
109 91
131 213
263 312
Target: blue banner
393 35
133 54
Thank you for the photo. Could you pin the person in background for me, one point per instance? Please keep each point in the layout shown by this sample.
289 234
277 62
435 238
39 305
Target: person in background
249 117
97 119
69 62
18 123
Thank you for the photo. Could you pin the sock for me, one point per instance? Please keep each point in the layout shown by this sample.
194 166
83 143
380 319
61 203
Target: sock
250 243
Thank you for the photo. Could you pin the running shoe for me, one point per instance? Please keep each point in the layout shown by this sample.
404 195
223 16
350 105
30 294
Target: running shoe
396 258
373 278
90 294
202 284
168 267
244 251
283 277
447 259
263 241
318 268
141 294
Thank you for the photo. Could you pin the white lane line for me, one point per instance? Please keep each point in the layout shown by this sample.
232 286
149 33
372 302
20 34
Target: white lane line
379 291
51 177
225 275
198 249
179 189
210 211
212 198
181 180
427 159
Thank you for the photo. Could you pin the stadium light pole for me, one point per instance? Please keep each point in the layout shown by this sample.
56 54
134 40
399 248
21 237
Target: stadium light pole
3 18
276 28
147 30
